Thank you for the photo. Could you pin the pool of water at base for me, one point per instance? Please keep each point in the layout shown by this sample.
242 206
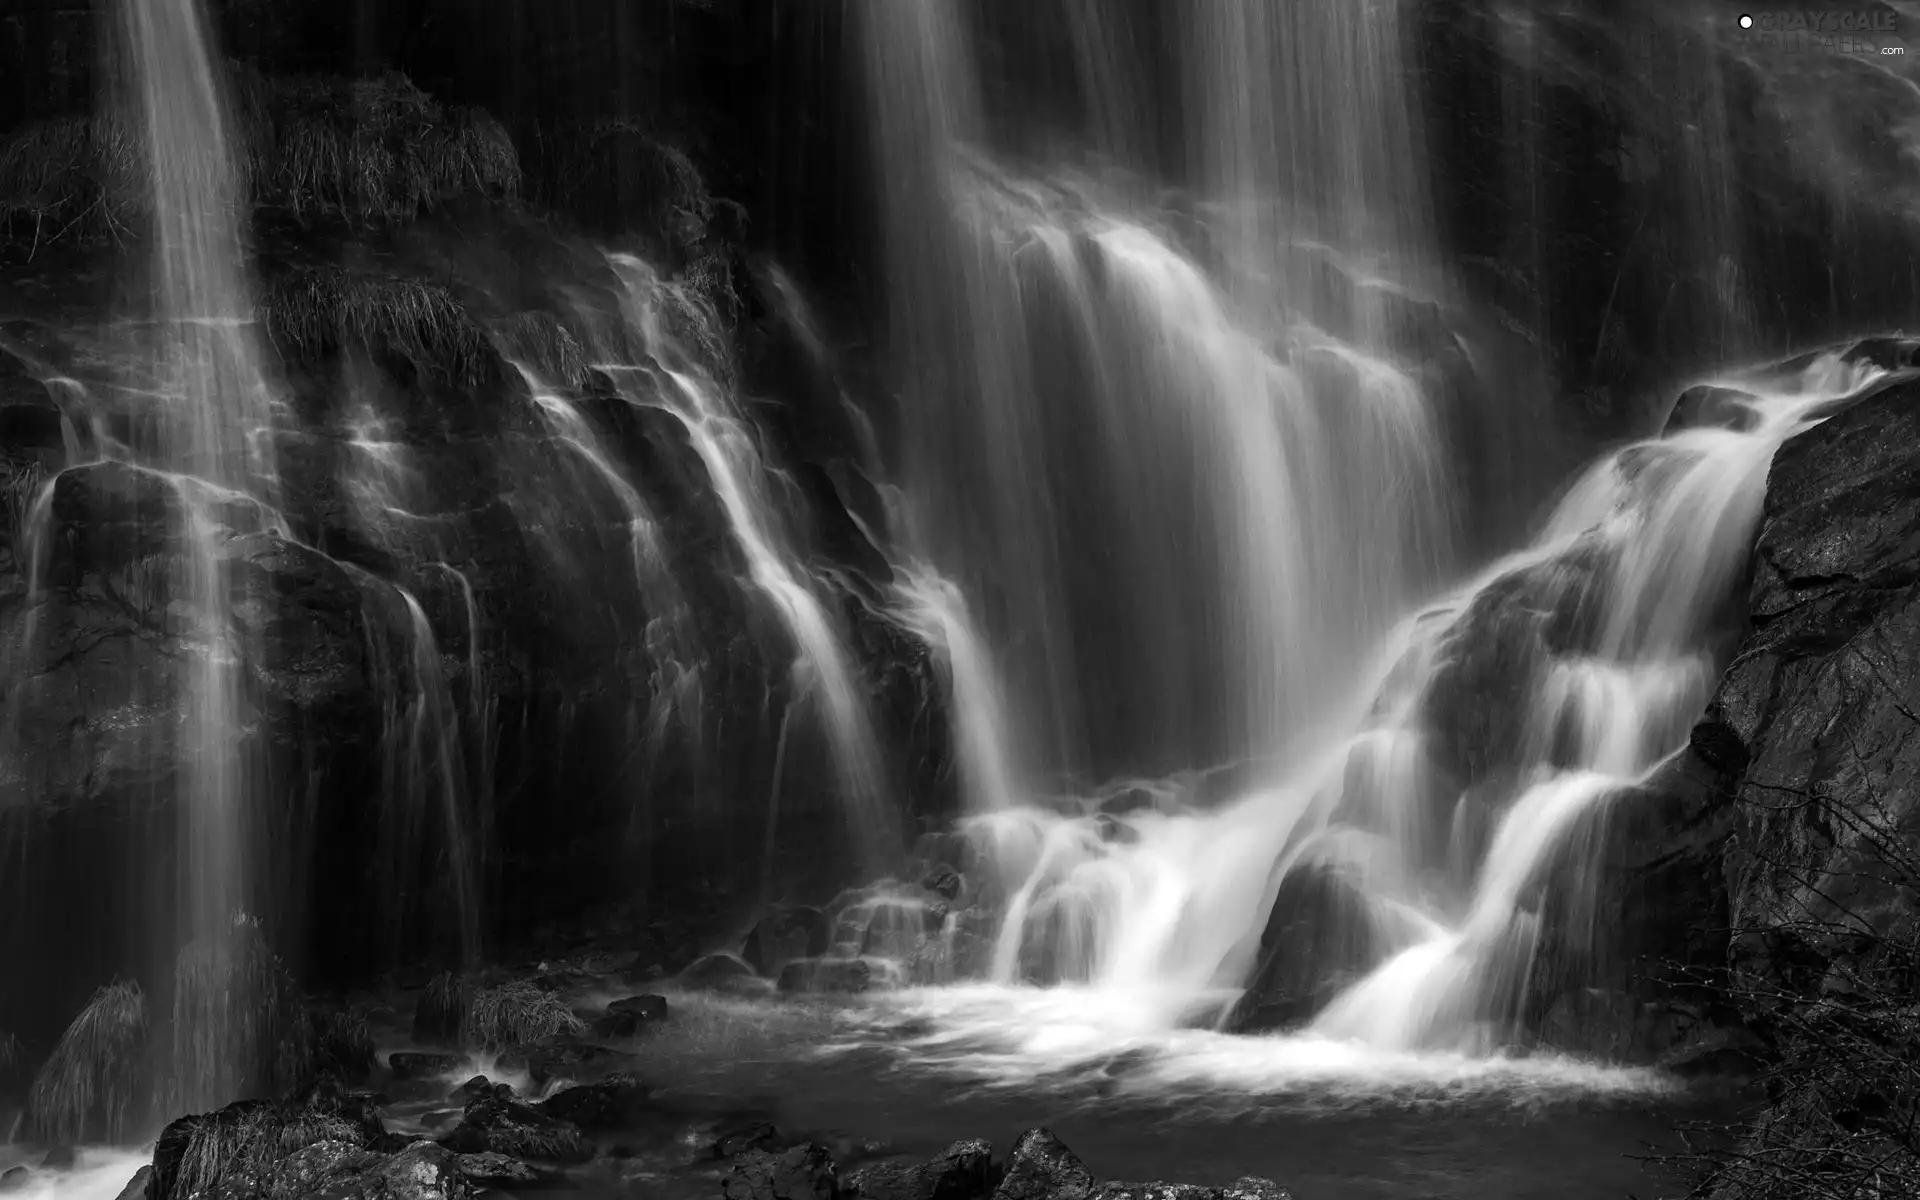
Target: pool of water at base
908 1074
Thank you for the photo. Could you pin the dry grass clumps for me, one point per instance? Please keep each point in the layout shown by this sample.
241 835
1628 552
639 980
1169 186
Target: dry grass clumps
518 1014
362 151
440 1018
368 151
314 312
85 1090
78 178
236 1146
332 1040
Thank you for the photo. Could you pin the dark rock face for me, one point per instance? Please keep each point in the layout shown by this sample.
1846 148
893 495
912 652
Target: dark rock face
1316 940
1815 721
1765 824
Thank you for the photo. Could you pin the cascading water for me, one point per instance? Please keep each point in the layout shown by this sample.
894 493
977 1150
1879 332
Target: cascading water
213 434
1617 611
1084 402
651 367
1185 460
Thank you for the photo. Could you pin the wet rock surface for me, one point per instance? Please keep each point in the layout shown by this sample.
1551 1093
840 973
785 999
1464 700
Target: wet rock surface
499 1125
1815 722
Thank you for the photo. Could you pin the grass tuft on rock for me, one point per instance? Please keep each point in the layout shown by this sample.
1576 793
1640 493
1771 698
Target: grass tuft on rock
518 1014
77 178
365 152
440 1018
317 311
230 1151
85 1090
369 151
335 1040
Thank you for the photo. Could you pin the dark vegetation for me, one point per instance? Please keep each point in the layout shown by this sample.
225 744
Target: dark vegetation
1834 990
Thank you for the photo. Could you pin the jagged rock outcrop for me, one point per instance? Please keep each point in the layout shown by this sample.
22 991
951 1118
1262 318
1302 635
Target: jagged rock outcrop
1783 832
1817 722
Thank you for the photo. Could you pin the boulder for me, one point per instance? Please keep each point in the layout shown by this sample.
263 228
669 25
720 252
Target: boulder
1319 935
1042 1168
630 1016
785 933
1814 722
568 1057
1712 406
489 1170
421 1171
609 1103
480 1086
495 1124
803 1172
756 1136
962 1171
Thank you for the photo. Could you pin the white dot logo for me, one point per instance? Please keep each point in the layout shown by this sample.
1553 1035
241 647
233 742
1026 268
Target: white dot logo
1746 22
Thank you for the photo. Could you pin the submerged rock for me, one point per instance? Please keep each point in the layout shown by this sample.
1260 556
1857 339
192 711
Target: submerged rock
746 1139
480 1086
628 1017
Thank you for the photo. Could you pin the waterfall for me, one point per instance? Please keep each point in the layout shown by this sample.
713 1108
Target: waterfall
217 413
1176 412
645 351
1634 569
1094 394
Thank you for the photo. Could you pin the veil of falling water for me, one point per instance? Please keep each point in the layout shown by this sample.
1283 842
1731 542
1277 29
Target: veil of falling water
1180 497
1188 490
647 346
212 440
